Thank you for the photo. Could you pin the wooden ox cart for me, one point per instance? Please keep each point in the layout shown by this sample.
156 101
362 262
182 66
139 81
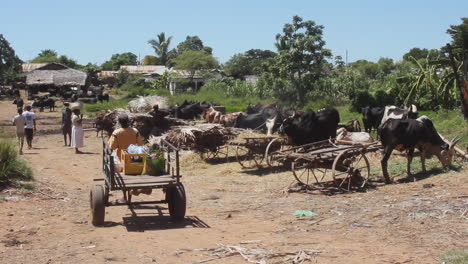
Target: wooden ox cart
251 152
313 164
169 182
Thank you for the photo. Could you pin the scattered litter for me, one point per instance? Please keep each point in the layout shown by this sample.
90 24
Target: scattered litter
36 199
252 255
91 246
303 213
361 225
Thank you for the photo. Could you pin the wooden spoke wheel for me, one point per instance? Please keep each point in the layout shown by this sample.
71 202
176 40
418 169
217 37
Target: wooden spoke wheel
209 153
350 170
97 199
247 159
273 153
177 202
307 173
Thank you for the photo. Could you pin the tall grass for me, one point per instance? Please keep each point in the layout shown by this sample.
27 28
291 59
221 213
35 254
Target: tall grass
11 166
112 104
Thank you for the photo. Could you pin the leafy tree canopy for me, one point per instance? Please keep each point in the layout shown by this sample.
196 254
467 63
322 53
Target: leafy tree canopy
10 64
418 53
150 60
459 33
251 62
49 55
193 61
190 43
161 47
302 55
119 59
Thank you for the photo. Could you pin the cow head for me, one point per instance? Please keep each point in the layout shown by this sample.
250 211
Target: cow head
448 153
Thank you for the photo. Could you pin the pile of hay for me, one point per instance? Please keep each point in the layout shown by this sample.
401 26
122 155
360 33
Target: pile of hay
200 137
145 104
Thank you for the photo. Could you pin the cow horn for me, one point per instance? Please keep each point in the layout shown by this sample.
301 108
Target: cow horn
454 141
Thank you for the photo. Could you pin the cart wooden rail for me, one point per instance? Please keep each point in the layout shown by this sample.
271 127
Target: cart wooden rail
115 181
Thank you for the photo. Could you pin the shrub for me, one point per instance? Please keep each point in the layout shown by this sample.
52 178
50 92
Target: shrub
11 167
361 99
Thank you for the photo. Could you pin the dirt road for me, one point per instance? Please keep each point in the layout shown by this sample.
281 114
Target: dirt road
398 223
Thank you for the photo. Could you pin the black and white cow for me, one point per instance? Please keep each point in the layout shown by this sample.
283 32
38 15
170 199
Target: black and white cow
393 112
266 119
408 134
311 126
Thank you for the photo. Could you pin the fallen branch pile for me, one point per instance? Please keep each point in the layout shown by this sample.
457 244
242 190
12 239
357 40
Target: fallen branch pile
145 104
252 255
200 137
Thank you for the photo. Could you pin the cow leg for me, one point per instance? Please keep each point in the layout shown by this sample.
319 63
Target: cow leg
384 163
408 167
423 159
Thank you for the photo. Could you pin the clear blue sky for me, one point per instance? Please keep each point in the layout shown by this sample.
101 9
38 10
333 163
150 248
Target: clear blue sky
91 31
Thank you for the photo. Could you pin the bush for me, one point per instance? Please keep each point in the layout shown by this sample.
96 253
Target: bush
11 167
361 99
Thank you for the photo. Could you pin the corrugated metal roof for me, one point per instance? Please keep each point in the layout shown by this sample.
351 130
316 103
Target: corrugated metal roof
142 68
27 67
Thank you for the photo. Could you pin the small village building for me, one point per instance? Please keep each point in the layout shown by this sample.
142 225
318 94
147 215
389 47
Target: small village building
179 80
55 78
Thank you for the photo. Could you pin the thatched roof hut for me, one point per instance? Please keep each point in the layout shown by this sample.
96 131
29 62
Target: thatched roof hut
56 74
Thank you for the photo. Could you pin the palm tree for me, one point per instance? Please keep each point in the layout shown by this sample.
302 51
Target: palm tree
161 47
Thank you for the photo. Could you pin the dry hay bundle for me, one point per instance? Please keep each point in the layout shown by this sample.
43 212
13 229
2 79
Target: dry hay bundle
200 137
145 104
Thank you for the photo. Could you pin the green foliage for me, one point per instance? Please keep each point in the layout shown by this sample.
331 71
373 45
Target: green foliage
161 47
193 61
251 62
118 59
301 56
455 257
150 60
418 53
48 55
11 166
112 104
459 33
10 64
193 43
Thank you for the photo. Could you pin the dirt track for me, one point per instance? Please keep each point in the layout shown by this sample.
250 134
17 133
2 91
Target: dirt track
398 223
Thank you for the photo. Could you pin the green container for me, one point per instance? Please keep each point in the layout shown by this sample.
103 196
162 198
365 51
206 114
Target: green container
157 165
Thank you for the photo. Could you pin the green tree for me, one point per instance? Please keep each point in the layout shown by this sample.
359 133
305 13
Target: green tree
193 61
190 43
118 59
10 64
161 47
150 60
251 62
48 55
459 34
301 55
419 54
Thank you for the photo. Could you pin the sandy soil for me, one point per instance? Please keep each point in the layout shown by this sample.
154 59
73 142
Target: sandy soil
399 223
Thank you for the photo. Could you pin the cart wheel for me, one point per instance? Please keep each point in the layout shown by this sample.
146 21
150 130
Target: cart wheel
248 159
272 156
350 169
98 206
306 173
209 153
177 202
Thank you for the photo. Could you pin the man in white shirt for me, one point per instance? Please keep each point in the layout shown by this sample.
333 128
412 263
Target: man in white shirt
30 126
20 121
